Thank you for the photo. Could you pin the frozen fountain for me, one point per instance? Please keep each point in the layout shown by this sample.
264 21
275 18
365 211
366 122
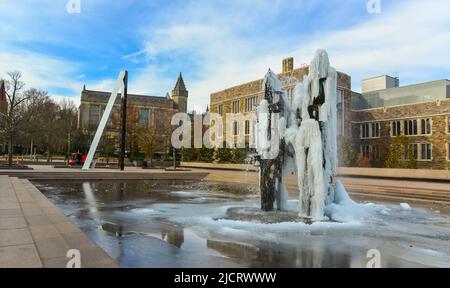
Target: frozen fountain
300 138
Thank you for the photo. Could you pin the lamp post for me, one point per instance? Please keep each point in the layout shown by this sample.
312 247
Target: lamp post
124 122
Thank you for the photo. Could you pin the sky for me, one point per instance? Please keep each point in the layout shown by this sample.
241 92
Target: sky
216 44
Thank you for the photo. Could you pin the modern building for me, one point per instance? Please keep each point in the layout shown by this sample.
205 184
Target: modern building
152 110
379 83
242 99
420 112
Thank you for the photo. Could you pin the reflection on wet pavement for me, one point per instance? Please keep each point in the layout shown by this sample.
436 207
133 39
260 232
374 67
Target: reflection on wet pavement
174 224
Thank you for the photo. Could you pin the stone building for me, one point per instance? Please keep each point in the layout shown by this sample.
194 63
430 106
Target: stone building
153 112
242 98
420 112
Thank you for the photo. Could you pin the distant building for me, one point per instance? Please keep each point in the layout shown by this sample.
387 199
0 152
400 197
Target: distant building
242 99
379 83
153 112
149 108
421 112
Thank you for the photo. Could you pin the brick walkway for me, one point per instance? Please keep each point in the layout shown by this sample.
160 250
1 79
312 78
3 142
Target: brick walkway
34 233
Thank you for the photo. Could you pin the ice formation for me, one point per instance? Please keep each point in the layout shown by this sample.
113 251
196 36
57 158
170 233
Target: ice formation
306 131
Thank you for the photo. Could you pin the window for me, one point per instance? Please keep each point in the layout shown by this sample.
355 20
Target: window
415 150
220 109
159 120
247 127
370 130
235 128
396 128
410 127
375 130
425 152
250 103
411 150
425 125
220 131
94 115
365 130
236 107
143 118
365 151
448 151
448 124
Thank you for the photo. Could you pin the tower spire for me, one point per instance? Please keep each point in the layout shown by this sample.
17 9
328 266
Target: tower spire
180 94
180 88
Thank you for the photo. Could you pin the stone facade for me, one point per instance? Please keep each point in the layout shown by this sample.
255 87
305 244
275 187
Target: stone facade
152 111
222 102
430 122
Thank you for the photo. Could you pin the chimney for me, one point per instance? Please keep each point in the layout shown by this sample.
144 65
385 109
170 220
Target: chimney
288 65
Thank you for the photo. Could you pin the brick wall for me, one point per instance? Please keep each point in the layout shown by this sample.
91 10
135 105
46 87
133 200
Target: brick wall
254 88
437 111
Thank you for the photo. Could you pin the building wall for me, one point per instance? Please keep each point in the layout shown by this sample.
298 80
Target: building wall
252 89
160 110
439 113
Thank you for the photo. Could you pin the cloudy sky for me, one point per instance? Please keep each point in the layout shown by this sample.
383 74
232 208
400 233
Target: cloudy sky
216 43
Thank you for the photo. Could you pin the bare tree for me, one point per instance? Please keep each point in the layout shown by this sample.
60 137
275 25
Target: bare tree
15 99
148 139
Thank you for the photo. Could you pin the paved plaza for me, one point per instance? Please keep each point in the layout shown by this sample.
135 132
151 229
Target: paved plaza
34 233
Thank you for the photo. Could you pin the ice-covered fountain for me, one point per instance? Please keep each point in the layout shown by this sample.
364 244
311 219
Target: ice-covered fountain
300 137
181 224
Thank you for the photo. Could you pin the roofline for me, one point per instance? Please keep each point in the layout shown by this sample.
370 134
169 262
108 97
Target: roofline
129 95
384 75
410 85
257 80
278 74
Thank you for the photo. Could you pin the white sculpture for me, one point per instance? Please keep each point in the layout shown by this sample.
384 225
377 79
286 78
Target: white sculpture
307 129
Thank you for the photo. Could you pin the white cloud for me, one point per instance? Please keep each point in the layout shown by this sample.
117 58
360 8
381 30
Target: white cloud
38 70
409 38
219 46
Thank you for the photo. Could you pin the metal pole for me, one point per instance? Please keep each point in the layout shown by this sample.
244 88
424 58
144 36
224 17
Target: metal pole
124 122
174 159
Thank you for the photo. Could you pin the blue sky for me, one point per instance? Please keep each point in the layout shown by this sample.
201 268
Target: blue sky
216 44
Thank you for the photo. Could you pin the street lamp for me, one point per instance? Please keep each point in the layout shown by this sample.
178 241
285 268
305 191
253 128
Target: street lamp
1 129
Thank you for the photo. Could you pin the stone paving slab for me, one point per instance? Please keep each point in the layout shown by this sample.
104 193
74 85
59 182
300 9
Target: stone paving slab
34 233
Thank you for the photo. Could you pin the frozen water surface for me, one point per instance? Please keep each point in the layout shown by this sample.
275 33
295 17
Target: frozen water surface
186 224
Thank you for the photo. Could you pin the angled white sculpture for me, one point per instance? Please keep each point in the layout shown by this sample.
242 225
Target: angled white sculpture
120 86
